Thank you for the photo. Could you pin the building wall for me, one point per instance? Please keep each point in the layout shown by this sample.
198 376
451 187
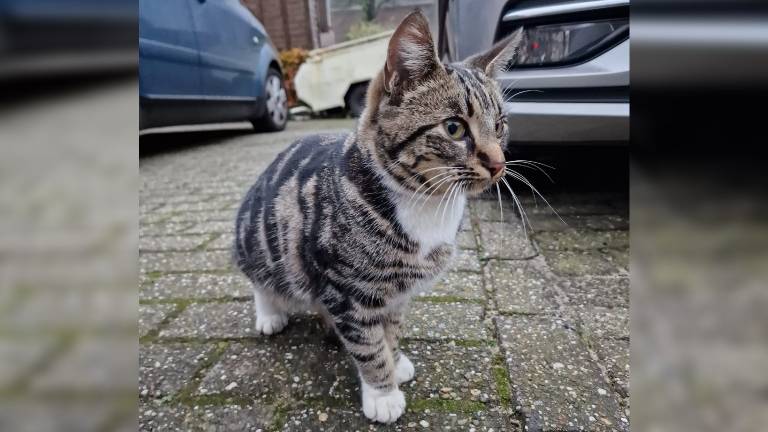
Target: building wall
286 21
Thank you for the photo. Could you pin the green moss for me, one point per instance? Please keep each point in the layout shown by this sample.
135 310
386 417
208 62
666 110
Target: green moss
185 396
503 387
445 405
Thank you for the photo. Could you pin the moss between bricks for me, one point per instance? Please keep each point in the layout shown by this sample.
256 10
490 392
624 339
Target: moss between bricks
446 299
503 386
445 406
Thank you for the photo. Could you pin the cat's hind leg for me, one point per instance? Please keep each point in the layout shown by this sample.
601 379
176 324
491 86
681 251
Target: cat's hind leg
271 316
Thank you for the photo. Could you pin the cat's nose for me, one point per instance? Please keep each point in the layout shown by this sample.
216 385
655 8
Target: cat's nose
494 167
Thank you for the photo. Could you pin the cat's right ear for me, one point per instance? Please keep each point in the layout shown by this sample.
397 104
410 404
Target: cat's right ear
411 54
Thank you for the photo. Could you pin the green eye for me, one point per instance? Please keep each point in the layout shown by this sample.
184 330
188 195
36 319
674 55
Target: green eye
455 129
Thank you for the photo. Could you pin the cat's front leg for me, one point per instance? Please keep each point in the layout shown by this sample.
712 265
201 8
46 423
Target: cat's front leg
382 400
393 328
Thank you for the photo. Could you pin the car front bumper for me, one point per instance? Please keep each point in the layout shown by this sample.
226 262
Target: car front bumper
568 122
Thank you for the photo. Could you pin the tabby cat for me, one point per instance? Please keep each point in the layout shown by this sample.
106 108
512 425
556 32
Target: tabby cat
356 224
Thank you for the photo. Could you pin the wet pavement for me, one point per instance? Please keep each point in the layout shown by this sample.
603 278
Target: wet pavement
528 330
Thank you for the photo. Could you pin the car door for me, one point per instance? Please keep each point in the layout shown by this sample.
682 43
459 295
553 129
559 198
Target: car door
169 64
230 40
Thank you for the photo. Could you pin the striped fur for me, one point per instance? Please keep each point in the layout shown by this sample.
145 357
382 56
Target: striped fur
355 224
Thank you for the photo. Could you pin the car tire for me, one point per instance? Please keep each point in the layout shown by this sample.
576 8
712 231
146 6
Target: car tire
356 99
275 110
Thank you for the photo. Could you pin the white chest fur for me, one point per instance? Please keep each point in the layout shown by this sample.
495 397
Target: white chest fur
432 223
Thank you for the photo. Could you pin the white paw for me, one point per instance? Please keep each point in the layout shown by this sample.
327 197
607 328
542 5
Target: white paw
404 370
382 406
271 324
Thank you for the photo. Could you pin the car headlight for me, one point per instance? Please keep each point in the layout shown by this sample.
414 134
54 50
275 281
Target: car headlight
560 44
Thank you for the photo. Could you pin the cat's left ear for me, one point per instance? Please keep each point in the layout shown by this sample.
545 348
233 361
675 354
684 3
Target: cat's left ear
493 61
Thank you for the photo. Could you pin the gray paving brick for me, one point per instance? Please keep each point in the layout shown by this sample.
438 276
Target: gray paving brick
505 240
524 286
445 321
466 240
207 205
488 210
447 371
164 370
614 353
213 320
184 261
573 239
458 284
222 242
172 243
620 257
60 309
300 362
556 385
580 263
17 357
206 216
150 316
93 364
163 228
212 227
465 260
551 222
204 418
606 291
353 420
598 322
197 285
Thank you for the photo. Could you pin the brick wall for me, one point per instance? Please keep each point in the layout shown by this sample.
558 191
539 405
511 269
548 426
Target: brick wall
286 21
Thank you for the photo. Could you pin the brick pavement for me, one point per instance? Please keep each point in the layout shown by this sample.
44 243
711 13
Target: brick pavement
528 331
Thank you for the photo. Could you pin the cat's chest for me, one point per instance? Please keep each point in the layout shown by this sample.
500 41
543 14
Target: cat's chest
432 224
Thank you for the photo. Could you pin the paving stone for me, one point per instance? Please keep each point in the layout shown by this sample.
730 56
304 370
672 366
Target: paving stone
61 309
619 257
30 415
185 261
555 383
300 362
175 198
465 260
206 216
447 371
445 321
222 242
163 228
573 239
466 223
466 240
597 322
605 291
551 222
213 320
525 286
93 364
172 243
197 285
504 240
150 316
204 418
194 207
212 227
458 284
17 357
488 210
614 353
580 263
165 369
154 218
353 420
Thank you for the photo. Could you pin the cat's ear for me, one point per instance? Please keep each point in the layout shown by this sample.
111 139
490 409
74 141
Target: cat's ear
493 61
411 54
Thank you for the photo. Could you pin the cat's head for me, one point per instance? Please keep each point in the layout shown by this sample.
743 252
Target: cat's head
432 125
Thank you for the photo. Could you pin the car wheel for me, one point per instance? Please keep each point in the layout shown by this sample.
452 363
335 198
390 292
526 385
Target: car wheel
356 99
275 104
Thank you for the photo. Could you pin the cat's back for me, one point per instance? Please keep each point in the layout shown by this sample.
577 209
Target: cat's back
270 221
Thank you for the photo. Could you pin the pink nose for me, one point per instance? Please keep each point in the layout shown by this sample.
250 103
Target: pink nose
493 167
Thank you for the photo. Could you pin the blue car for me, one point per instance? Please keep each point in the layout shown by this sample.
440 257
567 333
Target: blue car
207 61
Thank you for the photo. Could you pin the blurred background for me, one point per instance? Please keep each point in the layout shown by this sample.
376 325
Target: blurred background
71 84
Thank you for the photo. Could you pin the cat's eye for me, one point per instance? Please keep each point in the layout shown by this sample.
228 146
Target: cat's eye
455 129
